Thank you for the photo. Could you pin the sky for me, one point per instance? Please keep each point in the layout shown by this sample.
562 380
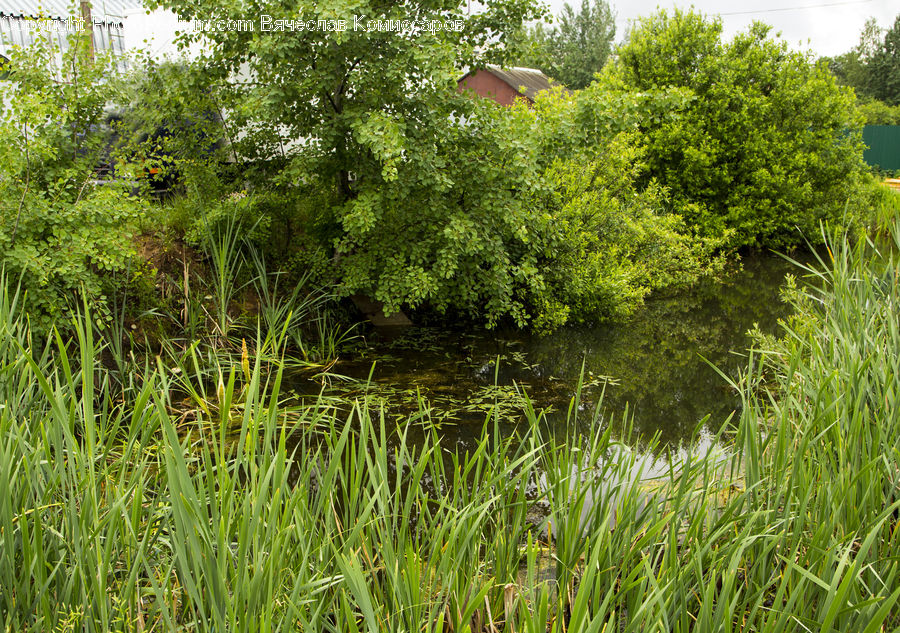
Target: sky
828 27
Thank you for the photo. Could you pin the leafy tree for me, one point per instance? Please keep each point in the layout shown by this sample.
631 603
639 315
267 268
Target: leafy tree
346 100
769 144
872 68
574 50
883 67
432 200
59 232
851 68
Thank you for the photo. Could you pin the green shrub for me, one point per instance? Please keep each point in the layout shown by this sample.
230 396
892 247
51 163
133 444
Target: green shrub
879 113
606 244
60 249
59 231
536 217
607 235
768 145
448 227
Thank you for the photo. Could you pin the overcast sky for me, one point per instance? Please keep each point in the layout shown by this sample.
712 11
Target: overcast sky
829 27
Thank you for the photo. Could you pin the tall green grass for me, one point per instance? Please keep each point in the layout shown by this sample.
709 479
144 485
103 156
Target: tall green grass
119 511
885 204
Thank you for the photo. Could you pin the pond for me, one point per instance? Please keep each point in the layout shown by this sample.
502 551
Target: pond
651 369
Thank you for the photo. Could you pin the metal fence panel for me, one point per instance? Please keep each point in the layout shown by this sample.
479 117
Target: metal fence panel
883 142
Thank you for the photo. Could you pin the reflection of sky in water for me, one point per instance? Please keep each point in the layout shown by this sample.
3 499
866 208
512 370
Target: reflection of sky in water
659 378
626 471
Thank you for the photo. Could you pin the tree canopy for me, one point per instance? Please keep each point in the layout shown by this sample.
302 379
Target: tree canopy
353 79
574 49
872 68
883 67
572 210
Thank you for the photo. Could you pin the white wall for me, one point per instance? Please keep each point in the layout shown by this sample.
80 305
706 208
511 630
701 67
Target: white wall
155 34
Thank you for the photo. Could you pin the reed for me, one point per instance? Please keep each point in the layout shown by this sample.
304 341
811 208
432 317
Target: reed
295 316
223 241
118 513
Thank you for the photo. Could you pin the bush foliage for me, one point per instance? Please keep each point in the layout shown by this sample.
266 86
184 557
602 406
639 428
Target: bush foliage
768 145
880 113
375 175
60 231
537 216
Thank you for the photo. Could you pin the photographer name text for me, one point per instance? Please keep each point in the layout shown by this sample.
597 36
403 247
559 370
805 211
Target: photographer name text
268 23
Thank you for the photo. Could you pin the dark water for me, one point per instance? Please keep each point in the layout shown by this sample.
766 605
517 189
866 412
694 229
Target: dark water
654 362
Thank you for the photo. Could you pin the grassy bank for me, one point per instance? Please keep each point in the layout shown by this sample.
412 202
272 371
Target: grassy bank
123 508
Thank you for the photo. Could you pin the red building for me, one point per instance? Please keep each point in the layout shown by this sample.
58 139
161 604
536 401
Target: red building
505 85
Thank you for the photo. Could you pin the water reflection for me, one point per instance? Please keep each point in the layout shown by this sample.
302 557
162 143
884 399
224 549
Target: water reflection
655 360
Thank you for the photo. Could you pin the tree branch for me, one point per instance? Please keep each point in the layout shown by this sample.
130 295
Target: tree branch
25 190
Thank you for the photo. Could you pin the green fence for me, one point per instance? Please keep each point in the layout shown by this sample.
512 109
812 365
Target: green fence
883 142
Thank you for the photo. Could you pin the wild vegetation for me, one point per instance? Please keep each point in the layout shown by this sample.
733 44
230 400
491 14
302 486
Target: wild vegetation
767 146
58 232
156 473
572 211
879 113
127 509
